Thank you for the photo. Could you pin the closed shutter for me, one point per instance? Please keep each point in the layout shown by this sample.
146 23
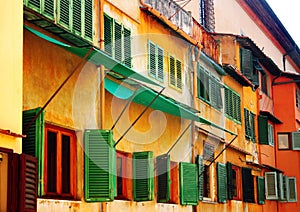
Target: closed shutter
98 166
296 140
248 185
188 173
271 185
88 19
143 181
48 9
172 71
229 180
28 183
178 74
238 108
292 191
200 176
282 187
108 35
118 41
263 129
33 144
35 5
222 183
213 89
252 117
152 59
127 47
64 13
247 123
77 11
163 178
228 105
160 64
247 63
260 190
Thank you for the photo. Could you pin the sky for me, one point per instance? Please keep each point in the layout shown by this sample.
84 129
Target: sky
288 12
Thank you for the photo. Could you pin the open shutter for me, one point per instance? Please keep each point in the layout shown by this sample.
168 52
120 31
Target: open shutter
263 129
188 173
229 180
163 178
200 176
292 191
33 144
260 190
160 64
222 183
143 172
271 185
98 165
118 41
108 35
247 123
248 185
247 63
28 183
219 96
127 47
282 189
208 152
88 19
296 140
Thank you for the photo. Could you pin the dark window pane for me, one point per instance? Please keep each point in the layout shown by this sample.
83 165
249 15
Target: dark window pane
206 182
119 177
65 155
51 161
234 183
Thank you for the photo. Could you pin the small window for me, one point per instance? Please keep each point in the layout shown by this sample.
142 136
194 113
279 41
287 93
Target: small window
123 168
265 130
175 73
283 140
249 125
271 134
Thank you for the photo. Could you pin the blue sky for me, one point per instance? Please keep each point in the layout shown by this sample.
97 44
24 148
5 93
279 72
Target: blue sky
288 11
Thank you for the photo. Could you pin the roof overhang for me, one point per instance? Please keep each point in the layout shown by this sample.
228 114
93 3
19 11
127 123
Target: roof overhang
237 75
271 117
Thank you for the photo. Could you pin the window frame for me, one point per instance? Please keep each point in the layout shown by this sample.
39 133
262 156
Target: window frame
73 142
207 181
238 185
289 199
125 176
289 142
175 86
275 186
265 84
249 121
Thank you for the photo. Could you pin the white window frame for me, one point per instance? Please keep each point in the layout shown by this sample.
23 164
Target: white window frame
268 196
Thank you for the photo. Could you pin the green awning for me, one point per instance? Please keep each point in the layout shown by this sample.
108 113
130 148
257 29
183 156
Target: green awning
144 96
97 57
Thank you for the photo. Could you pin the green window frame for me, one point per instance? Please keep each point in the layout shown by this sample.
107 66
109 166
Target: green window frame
117 41
260 181
249 118
209 88
222 182
188 174
175 73
232 105
99 166
143 176
248 185
155 61
163 178
265 131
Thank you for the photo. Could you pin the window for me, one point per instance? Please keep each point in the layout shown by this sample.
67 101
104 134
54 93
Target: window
232 105
283 140
249 65
206 181
207 14
265 131
222 183
188 173
175 73
260 190
117 41
248 185
264 84
296 140
123 169
155 61
271 185
292 190
297 98
287 188
249 125
233 181
209 88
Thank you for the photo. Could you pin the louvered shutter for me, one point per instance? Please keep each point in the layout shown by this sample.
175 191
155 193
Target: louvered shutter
296 140
208 152
219 97
127 47
64 13
200 176
178 74
33 144
188 173
260 190
28 183
229 180
238 108
13 181
163 178
160 64
252 127
271 185
35 5
247 63
152 59
108 34
143 173
227 102
77 17
172 71
248 185
292 191
88 19
98 166
222 183
282 189
263 129
213 91
48 9
118 41
247 123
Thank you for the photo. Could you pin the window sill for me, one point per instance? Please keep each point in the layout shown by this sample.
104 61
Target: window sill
209 201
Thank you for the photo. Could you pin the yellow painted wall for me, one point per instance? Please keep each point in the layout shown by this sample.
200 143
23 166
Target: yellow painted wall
11 42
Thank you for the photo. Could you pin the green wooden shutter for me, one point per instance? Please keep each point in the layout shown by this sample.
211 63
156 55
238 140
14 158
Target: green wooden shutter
127 47
178 74
99 166
263 129
163 178
229 180
247 63
108 34
172 71
227 102
260 190
152 59
271 185
64 13
248 185
222 183
35 5
247 123
48 8
199 160
213 92
33 144
296 140
88 19
252 117
160 64
143 172
238 108
188 173
117 41
282 189
77 11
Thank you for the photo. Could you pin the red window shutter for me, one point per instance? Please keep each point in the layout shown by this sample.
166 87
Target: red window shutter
14 179
28 183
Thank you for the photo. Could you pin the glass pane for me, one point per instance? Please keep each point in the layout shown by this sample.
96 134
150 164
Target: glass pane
234 183
283 141
65 155
51 161
119 176
206 182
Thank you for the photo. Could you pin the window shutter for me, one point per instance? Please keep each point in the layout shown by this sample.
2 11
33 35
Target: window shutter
143 172
248 185
160 63
222 183
228 106
172 71
64 13
188 173
260 190
35 5
213 92
271 185
163 178
263 129
28 183
33 144
229 180
152 59
219 96
48 9
200 176
247 63
88 19
117 41
282 189
238 108
77 11
179 74
98 165
108 35
208 152
292 191
247 123
127 47
252 127
296 140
